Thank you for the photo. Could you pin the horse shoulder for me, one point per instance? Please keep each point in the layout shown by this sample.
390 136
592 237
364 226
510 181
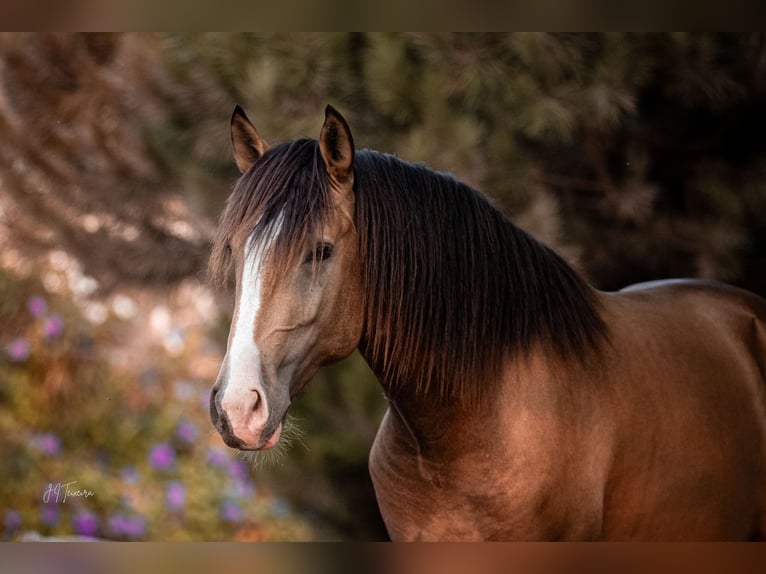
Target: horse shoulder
513 486
408 489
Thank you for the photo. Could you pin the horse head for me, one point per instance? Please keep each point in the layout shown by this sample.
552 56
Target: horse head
289 233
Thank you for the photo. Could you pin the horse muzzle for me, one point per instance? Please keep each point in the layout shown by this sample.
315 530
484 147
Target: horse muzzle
242 418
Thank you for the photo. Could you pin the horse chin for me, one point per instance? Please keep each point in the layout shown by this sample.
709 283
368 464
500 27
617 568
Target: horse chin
275 449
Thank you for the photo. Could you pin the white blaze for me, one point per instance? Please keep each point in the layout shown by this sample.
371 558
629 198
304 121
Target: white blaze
244 373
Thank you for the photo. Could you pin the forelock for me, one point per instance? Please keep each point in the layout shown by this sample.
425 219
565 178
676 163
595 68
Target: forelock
288 188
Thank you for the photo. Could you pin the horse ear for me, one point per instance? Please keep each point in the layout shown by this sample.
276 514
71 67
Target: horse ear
337 146
246 142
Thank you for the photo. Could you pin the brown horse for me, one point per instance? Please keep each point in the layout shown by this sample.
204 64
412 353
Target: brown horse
523 404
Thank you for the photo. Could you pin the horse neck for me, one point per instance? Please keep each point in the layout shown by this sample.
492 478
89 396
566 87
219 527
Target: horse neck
427 419
454 291
432 426
537 394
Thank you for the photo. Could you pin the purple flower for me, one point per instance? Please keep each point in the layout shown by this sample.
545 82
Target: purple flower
187 432
53 326
241 486
124 526
136 527
49 515
237 469
162 456
85 523
117 524
17 350
12 520
37 306
175 496
231 511
217 457
47 443
130 475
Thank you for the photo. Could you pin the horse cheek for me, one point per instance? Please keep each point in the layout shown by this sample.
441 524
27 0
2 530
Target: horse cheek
346 320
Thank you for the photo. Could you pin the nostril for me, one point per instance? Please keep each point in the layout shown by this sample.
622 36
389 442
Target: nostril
215 414
257 400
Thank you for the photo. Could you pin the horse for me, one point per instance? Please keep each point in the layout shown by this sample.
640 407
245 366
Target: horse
523 403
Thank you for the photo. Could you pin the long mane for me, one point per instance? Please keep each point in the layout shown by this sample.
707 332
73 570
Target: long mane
452 287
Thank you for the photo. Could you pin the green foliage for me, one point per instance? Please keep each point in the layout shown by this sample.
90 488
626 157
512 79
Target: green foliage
632 134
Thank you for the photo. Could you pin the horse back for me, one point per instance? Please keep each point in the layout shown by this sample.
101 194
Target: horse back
735 315
692 355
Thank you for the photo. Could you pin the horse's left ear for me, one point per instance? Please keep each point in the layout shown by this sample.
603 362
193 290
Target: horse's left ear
337 147
247 144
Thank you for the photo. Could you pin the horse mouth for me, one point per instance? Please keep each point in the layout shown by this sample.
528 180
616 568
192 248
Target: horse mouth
274 439
270 442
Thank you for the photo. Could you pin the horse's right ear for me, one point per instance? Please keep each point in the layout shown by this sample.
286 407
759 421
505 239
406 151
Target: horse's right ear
337 146
246 142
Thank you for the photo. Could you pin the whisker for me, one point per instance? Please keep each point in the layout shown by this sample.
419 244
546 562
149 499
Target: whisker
259 459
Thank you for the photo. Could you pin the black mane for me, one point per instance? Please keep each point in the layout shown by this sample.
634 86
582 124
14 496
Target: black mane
453 287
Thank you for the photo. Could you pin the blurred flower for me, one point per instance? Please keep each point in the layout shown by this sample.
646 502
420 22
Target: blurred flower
130 475
280 507
162 456
183 390
47 443
175 341
12 520
124 307
53 326
231 511
37 306
217 457
241 486
124 526
175 496
85 523
17 350
136 527
237 469
240 489
187 432
96 313
50 515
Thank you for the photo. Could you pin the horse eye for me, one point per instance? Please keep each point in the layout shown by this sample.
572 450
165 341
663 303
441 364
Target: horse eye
321 252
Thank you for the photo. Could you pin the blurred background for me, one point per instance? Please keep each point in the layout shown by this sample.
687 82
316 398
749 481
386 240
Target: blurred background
637 156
